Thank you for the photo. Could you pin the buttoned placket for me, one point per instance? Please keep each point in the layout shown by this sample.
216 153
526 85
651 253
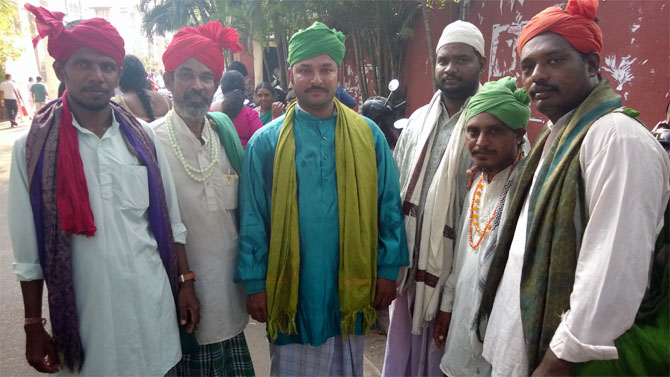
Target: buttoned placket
203 155
106 170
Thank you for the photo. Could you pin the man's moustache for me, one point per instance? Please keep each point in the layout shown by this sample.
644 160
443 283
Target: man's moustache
192 95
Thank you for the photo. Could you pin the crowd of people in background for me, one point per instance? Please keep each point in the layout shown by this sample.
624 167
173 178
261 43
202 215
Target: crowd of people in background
161 223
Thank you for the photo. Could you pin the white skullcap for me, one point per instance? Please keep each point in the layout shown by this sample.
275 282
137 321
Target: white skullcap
462 32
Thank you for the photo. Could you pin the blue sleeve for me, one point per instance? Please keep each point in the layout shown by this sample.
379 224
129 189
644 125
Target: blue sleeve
345 98
255 186
392 252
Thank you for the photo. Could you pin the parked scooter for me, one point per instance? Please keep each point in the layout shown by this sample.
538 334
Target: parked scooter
384 114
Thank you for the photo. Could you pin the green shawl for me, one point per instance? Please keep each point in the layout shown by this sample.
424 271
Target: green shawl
550 257
266 117
229 139
356 167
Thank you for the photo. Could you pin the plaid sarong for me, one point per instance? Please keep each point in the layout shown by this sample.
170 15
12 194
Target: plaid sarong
337 357
228 358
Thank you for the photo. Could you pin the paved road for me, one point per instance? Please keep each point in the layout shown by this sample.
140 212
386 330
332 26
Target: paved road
12 338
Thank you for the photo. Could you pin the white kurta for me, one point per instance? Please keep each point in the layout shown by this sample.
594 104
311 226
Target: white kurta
209 211
127 315
463 350
627 184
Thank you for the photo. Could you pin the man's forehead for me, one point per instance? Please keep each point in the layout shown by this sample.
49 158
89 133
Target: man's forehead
317 61
88 53
547 43
193 65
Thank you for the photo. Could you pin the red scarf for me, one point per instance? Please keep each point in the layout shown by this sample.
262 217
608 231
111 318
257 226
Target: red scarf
74 207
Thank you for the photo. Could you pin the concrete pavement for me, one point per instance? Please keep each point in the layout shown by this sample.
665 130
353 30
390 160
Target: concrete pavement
12 339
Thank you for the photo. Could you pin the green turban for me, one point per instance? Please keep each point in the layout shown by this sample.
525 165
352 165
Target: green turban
503 100
316 40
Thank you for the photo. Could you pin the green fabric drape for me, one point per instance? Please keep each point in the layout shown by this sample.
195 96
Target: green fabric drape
356 168
229 138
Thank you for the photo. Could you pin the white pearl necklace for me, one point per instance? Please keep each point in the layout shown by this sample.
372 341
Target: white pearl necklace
198 175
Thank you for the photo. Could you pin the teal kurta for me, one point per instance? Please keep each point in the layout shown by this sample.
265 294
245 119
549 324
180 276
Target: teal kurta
318 315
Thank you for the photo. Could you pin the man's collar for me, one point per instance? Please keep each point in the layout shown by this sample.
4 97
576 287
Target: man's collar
561 121
299 110
180 127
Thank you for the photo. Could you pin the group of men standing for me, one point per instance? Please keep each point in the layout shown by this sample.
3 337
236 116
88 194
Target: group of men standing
555 261
152 239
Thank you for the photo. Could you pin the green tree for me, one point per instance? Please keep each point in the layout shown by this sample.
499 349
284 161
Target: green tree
161 16
376 29
10 31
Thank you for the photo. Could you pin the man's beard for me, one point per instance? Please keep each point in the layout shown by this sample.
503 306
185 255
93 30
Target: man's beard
191 110
89 106
460 92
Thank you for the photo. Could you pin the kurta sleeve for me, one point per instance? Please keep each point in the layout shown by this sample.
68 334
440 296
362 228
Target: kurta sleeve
627 184
178 228
392 249
20 218
255 186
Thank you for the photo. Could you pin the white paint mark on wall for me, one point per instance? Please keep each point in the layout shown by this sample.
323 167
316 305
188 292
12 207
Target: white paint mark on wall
481 18
621 71
625 96
503 58
645 61
511 4
518 17
632 40
652 71
634 28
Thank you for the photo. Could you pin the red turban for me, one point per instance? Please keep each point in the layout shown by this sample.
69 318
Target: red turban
576 24
205 44
96 33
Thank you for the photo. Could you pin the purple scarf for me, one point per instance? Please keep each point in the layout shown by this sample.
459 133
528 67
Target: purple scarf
54 244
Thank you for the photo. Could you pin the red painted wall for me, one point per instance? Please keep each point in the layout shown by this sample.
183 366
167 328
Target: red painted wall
636 54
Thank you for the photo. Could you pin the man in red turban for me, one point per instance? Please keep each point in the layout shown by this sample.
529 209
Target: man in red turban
205 158
104 230
576 283
204 43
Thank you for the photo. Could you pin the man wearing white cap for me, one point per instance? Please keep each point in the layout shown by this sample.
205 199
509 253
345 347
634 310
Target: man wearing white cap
432 159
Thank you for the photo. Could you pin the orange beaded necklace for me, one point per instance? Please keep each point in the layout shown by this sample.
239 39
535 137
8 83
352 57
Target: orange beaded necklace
475 205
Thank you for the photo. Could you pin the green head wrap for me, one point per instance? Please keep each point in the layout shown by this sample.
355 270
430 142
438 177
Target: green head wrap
316 40
503 100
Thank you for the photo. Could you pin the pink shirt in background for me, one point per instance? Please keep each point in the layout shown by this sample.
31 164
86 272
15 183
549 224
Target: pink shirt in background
246 123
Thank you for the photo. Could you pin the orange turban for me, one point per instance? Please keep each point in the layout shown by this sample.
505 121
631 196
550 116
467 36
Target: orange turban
205 44
96 33
576 24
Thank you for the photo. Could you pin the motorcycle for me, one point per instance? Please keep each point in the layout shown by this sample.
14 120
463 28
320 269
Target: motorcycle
386 115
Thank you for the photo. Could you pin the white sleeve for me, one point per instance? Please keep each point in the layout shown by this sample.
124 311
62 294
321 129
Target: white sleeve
178 228
627 184
20 218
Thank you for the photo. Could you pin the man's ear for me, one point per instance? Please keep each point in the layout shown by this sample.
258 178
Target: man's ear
482 63
519 135
120 73
168 80
593 63
59 68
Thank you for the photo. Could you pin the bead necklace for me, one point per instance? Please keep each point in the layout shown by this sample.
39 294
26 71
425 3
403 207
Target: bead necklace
475 219
198 175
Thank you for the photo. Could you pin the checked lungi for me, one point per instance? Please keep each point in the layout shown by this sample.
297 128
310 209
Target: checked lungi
336 357
228 358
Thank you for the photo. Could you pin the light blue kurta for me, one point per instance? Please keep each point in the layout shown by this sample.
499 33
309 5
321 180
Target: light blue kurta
127 315
318 315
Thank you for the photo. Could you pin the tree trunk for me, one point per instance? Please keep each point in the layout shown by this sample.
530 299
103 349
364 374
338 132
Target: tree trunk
429 39
362 82
281 56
